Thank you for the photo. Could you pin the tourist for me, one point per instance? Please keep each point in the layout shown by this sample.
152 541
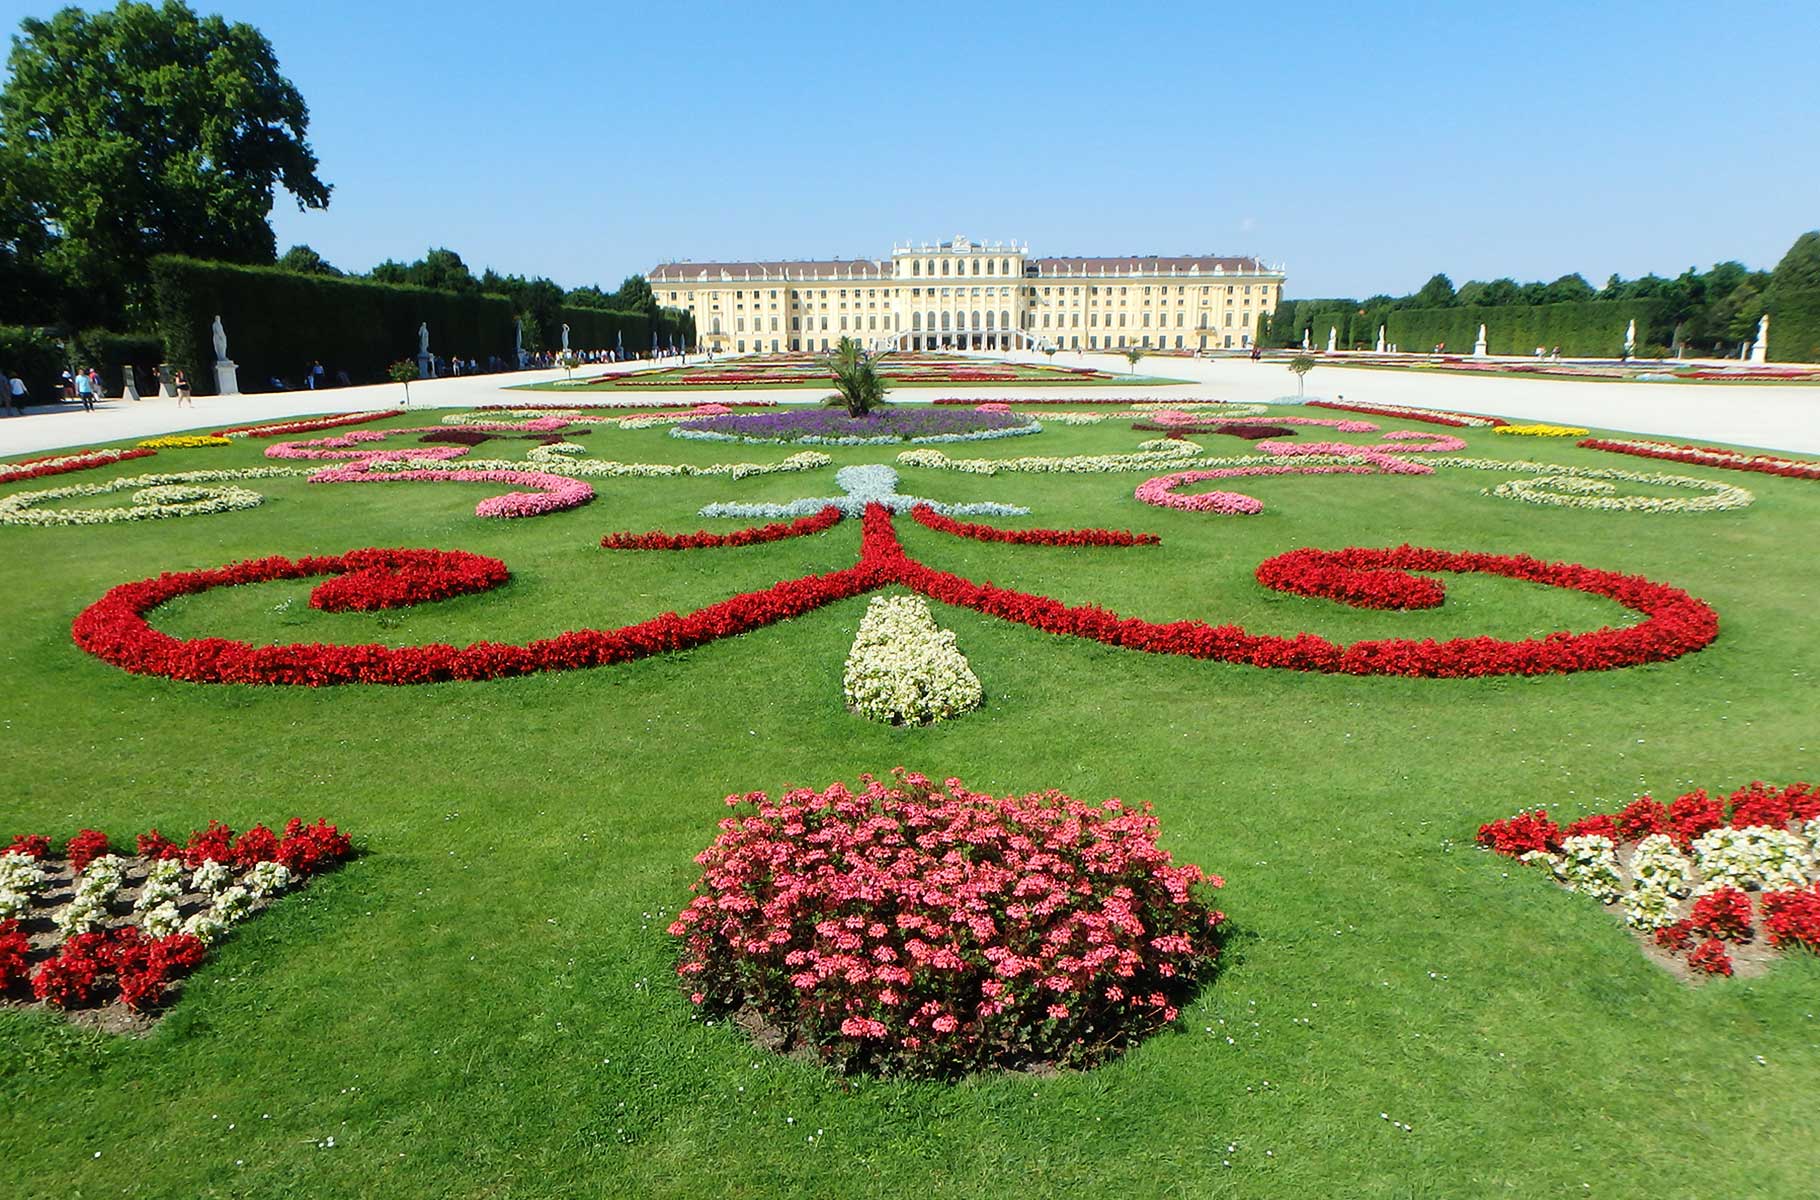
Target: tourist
316 374
6 395
85 391
68 384
15 388
94 379
183 389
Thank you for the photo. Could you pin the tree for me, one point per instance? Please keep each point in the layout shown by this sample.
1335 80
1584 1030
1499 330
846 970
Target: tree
305 261
1568 289
1301 364
403 371
635 295
1799 270
143 131
439 268
588 296
1132 354
1436 293
1049 349
858 385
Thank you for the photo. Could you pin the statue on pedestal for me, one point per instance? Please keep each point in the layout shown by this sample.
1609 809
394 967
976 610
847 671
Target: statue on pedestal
220 336
1759 349
565 337
423 339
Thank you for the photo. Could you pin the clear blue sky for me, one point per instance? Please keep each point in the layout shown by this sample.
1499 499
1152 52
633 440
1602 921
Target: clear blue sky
1367 145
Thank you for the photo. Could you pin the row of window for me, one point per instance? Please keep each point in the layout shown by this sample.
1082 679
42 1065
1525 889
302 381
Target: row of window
1092 290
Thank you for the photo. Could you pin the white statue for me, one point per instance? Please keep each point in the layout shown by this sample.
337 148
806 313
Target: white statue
1305 339
1630 339
1380 339
1333 335
1478 348
1759 349
565 337
220 336
423 339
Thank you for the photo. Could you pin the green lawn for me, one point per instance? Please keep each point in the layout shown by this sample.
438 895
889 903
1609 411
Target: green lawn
483 1004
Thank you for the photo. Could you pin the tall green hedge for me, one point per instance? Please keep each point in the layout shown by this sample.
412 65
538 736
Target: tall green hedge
602 329
107 352
277 322
1794 327
1583 329
35 358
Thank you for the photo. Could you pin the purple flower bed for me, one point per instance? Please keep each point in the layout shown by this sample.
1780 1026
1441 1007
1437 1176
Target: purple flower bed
904 423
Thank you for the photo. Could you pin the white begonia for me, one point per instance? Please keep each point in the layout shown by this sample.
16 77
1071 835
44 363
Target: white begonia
267 878
232 904
154 496
1756 858
905 669
157 892
165 870
205 926
600 468
13 904
211 877
20 873
1589 864
1657 862
102 878
161 921
84 914
1811 831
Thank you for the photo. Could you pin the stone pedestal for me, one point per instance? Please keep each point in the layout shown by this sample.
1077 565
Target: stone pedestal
227 379
1478 347
426 367
167 381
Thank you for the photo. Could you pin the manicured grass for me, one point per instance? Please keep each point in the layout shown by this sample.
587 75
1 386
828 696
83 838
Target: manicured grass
483 1004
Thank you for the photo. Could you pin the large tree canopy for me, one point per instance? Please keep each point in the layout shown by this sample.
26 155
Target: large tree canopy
146 130
1799 270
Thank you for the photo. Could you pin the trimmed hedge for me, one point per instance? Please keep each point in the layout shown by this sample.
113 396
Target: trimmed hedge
1583 329
107 352
278 321
36 359
1794 327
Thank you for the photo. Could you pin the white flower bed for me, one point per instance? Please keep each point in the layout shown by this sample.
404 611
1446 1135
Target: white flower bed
21 878
904 669
566 464
1588 487
185 494
1167 454
870 483
1751 859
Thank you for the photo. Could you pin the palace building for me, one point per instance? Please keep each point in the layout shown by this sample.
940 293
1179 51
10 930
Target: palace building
963 295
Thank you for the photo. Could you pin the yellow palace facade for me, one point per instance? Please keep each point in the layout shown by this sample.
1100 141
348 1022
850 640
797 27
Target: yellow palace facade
964 295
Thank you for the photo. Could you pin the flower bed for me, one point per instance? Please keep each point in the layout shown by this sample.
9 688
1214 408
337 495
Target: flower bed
185 441
108 934
1431 416
923 929
1163 453
926 516
63 464
827 427
826 519
904 669
399 578
1708 456
115 628
273 429
1592 488
1541 430
1684 873
184 494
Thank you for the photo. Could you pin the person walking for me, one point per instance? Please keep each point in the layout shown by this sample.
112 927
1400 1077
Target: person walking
15 387
85 391
94 380
182 381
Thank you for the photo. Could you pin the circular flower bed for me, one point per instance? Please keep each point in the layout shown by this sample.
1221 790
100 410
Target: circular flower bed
823 426
924 929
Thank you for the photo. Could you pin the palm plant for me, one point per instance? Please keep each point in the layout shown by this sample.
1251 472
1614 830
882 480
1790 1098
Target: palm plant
1132 355
858 384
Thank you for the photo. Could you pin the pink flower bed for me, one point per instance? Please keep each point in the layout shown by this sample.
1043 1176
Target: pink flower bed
923 929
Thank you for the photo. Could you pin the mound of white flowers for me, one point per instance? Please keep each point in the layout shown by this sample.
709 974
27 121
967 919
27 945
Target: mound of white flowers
904 669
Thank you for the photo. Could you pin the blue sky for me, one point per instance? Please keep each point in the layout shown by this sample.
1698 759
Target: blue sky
1365 145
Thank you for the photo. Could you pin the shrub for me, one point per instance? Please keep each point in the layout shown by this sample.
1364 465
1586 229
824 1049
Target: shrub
1722 914
36 359
929 930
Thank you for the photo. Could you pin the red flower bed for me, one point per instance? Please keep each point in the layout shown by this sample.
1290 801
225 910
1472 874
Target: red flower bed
114 628
399 578
271 429
926 516
15 956
1708 456
924 929
63 464
1711 958
1335 575
32 845
1793 919
85 848
777 531
1723 914
1431 418
1692 814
